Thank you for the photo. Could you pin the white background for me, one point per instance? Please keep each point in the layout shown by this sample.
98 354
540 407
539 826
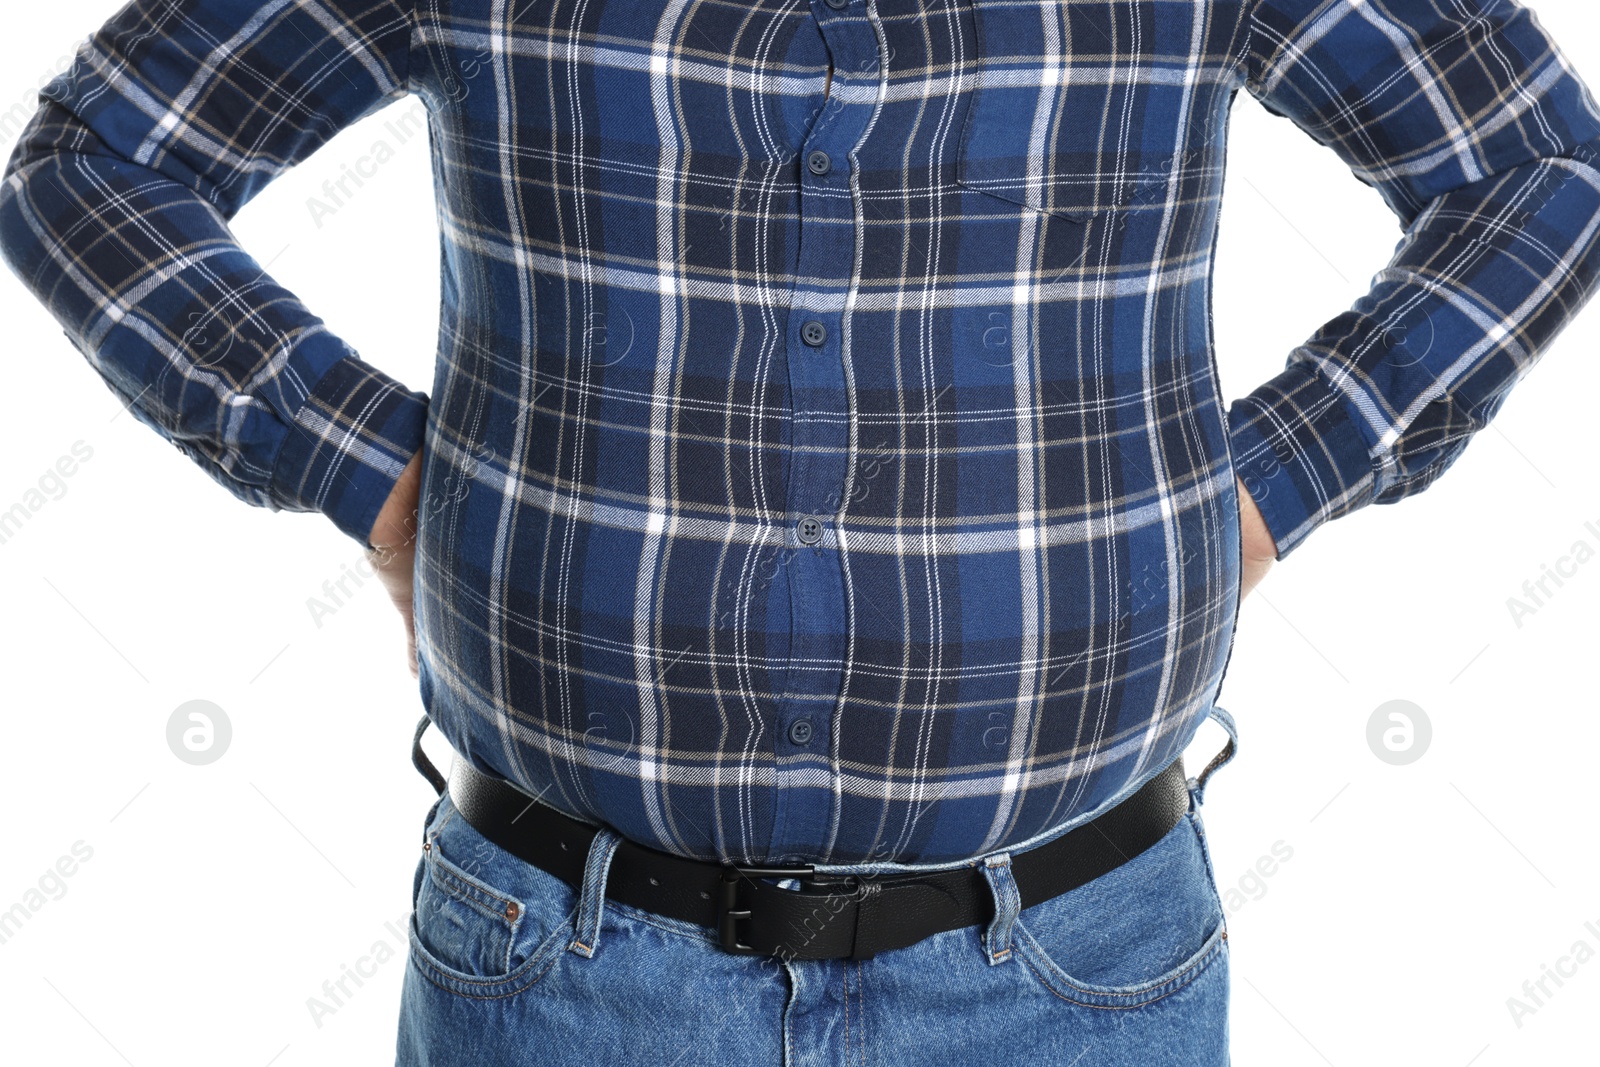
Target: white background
218 899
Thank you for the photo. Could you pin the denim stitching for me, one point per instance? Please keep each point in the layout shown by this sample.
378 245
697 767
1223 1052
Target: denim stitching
447 980
1218 938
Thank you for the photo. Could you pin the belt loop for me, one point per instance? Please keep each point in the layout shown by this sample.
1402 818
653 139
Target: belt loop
422 763
592 896
1007 903
1197 785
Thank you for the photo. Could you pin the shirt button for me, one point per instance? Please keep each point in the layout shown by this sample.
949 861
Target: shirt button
819 162
809 529
836 4
814 333
800 731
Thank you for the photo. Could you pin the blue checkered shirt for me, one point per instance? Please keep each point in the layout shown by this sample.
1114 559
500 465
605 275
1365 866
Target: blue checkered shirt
825 458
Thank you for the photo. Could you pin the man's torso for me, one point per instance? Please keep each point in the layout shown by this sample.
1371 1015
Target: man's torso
952 566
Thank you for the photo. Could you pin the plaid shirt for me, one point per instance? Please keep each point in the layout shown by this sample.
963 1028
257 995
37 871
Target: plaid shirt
826 458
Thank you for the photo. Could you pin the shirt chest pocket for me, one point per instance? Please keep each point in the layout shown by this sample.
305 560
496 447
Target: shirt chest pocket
1080 108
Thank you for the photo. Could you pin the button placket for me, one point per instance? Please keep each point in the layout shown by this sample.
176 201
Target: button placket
818 465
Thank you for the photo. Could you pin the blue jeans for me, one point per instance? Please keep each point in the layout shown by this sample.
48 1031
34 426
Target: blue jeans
511 965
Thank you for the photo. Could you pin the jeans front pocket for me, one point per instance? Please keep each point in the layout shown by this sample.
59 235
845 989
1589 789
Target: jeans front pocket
1135 934
484 923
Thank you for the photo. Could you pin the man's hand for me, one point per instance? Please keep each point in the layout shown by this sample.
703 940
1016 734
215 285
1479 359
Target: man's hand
1259 549
394 547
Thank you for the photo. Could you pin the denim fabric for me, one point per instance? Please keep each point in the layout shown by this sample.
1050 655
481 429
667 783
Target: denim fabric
511 965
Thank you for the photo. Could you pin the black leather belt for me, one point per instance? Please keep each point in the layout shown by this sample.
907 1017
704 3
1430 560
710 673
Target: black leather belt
830 916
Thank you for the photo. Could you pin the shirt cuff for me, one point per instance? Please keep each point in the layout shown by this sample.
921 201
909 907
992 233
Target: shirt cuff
348 445
1301 454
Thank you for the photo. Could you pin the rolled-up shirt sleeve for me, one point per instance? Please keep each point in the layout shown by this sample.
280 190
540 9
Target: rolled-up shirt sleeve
114 211
1483 141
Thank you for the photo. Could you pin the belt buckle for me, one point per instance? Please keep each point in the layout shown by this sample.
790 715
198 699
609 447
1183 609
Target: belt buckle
729 913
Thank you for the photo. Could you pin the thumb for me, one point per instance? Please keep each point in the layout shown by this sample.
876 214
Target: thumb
411 646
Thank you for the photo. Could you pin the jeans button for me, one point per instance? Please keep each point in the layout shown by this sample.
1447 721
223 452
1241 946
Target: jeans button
800 731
